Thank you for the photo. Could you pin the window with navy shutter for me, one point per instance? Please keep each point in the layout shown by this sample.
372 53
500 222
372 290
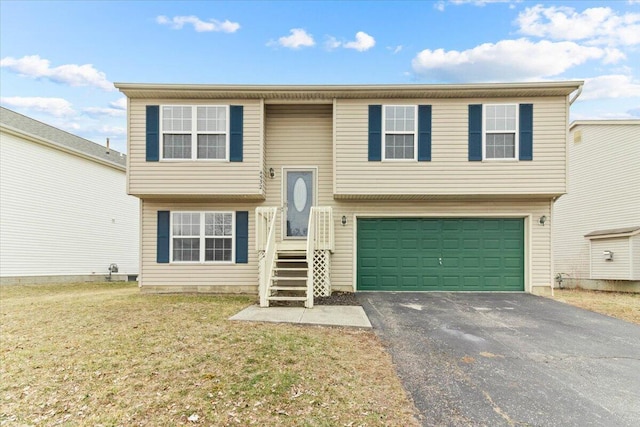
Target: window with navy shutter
203 237
199 132
399 132
501 132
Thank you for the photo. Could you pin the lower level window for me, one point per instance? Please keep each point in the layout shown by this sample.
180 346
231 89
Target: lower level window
202 236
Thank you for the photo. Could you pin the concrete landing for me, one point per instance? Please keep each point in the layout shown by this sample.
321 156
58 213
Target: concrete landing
326 315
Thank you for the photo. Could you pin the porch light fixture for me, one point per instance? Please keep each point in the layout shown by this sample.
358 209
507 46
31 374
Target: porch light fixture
344 220
272 173
542 219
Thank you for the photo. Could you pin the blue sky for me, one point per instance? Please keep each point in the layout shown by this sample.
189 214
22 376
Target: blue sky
58 60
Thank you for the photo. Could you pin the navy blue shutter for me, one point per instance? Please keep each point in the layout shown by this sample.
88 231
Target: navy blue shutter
163 237
153 133
235 133
526 131
242 237
424 133
375 133
475 132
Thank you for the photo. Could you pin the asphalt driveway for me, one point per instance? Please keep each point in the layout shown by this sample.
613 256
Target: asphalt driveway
509 359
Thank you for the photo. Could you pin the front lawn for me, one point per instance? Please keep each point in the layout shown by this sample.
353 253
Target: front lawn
102 354
625 306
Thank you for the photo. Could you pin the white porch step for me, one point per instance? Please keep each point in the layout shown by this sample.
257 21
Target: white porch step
290 269
287 298
288 288
283 278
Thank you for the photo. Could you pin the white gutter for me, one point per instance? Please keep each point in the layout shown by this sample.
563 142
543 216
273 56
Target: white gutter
572 100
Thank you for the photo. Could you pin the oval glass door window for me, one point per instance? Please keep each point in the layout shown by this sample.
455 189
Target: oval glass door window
300 194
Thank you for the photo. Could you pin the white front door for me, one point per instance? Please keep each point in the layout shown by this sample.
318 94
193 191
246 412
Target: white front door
299 196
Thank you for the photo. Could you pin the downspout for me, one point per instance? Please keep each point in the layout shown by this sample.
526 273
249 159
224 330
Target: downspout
572 100
552 278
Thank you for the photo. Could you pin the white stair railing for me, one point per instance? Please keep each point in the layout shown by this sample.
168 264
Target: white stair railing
266 247
320 236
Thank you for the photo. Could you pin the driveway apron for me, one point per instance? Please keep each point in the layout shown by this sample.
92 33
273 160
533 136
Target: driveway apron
509 359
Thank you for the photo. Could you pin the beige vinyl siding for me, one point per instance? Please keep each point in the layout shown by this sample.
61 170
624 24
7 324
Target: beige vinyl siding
537 237
194 277
602 191
617 269
196 178
449 172
299 136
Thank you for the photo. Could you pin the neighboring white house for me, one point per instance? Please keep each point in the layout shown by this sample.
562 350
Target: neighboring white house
64 210
596 226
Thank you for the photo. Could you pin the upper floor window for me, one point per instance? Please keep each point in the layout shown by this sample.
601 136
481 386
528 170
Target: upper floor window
399 132
195 132
500 137
202 236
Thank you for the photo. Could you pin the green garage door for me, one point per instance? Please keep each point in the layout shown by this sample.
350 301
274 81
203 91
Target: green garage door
447 254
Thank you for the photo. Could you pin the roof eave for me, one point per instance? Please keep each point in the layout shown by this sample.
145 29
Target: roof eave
46 142
142 90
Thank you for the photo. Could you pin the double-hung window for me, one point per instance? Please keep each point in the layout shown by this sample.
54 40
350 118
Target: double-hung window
399 132
500 132
195 132
202 236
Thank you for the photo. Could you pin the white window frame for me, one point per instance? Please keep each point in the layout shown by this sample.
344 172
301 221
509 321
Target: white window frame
516 139
203 237
194 133
414 133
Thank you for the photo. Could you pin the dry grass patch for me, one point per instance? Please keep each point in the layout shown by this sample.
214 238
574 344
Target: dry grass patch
102 354
625 306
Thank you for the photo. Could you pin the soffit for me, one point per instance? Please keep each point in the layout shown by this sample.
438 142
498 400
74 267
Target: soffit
318 93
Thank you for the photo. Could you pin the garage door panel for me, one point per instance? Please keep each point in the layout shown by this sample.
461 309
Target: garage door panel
404 254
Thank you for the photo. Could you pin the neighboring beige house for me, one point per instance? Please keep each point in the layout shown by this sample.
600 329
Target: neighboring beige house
282 189
64 211
596 226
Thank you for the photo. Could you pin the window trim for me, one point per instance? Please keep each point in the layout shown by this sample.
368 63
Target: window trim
194 133
516 132
414 133
202 237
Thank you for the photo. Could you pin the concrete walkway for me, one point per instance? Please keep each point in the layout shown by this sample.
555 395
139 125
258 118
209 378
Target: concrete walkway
326 315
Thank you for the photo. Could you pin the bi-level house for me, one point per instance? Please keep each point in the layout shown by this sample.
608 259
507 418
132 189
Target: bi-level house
294 190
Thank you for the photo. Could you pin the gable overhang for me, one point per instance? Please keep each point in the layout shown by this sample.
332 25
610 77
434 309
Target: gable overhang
327 93
613 233
19 133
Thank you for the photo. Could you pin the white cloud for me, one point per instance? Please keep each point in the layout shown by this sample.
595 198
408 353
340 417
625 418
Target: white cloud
395 49
598 25
332 43
57 107
298 38
610 86
507 60
111 130
105 111
362 42
120 104
70 74
200 26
